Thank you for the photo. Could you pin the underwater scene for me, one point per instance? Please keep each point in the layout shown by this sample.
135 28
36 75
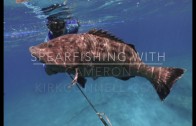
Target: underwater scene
158 91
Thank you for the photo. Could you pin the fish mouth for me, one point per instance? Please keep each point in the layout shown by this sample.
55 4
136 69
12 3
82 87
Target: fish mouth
35 52
32 49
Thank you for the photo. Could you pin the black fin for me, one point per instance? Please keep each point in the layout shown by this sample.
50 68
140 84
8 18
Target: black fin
49 69
125 78
132 46
81 81
105 34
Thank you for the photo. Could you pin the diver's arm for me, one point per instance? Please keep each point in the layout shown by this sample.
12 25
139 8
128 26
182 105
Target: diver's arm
50 8
36 9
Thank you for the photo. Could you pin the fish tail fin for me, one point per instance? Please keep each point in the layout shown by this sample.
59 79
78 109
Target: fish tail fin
163 78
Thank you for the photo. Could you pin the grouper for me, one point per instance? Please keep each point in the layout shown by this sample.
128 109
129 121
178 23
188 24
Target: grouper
100 54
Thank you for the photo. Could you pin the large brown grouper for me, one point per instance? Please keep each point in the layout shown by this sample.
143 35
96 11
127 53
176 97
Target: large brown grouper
99 54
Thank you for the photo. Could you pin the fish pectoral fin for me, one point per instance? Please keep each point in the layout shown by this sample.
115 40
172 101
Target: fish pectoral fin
81 81
125 78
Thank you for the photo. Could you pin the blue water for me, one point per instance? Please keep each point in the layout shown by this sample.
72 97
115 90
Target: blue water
32 98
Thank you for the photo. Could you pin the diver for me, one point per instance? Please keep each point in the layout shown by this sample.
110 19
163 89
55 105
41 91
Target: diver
58 23
58 27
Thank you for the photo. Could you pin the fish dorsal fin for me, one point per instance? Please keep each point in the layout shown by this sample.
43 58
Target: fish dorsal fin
105 34
132 46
